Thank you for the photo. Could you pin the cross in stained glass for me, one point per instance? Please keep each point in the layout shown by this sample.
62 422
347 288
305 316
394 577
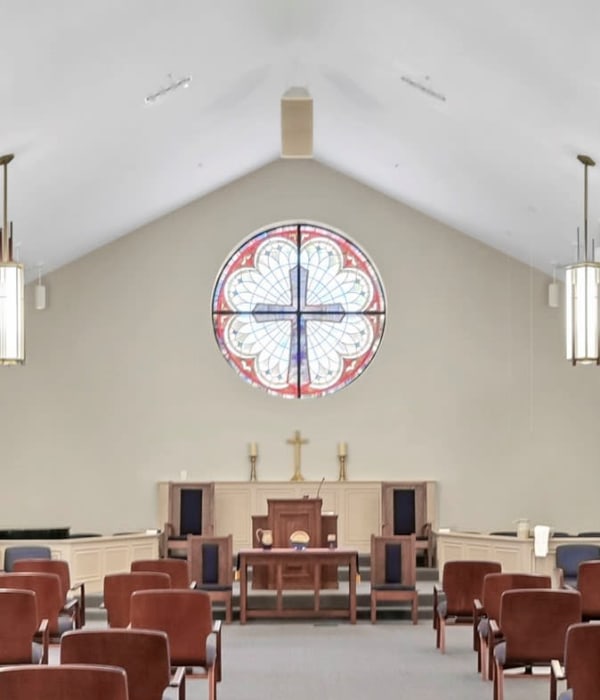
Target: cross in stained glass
298 312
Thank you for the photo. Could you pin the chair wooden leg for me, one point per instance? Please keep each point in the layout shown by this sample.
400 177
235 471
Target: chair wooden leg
373 609
498 682
212 684
484 660
441 635
228 611
415 610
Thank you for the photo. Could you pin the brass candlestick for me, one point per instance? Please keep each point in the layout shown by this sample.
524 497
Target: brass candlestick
342 474
252 467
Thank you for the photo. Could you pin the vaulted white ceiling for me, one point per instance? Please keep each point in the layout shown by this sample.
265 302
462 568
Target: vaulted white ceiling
496 158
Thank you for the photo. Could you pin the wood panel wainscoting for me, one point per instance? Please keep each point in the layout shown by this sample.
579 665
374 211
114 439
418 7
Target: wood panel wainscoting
91 558
361 507
515 554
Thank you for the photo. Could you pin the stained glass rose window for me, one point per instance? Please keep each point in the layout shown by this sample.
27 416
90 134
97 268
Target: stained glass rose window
298 310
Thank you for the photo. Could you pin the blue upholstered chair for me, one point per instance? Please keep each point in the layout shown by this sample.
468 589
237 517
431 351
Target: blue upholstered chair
13 553
211 566
393 573
568 558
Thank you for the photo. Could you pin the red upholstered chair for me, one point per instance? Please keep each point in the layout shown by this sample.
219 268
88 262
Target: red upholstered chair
488 608
73 606
178 570
462 582
119 587
20 628
186 617
581 669
532 626
63 683
144 654
588 584
49 598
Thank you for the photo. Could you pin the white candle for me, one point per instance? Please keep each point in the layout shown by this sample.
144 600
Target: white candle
253 449
342 449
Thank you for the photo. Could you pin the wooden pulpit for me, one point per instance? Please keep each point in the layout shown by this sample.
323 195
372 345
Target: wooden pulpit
285 515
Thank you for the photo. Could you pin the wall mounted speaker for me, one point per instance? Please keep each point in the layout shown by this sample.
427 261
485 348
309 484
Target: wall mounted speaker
39 297
296 123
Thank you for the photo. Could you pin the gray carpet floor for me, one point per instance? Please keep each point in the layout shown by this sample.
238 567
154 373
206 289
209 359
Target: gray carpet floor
339 661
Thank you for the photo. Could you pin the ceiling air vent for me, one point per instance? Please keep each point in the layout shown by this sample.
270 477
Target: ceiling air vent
296 124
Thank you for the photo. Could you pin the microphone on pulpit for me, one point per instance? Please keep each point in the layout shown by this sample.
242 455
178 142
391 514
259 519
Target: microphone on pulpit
319 489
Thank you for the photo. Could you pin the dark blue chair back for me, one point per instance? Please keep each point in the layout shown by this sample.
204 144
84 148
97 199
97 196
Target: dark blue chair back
210 563
12 554
569 556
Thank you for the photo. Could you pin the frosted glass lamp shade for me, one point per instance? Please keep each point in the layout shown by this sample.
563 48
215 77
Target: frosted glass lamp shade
12 334
582 286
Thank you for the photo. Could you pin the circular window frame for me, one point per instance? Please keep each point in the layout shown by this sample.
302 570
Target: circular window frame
336 269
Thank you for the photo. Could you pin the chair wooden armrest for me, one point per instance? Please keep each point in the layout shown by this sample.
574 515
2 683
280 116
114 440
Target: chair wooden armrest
559 574
557 673
43 635
216 633
178 681
495 630
193 584
558 670
494 637
81 587
478 614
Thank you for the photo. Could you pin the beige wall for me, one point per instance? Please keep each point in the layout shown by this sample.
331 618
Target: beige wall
124 385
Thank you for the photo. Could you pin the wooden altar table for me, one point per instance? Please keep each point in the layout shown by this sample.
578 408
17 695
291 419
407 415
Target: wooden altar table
316 557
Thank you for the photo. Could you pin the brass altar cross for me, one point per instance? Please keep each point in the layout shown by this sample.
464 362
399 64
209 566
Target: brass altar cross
297 442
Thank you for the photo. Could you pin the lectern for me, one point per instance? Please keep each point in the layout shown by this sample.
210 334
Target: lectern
285 515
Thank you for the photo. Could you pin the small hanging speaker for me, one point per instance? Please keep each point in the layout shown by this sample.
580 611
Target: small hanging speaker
553 295
296 123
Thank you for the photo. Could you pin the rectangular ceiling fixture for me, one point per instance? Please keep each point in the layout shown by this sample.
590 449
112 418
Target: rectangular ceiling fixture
296 123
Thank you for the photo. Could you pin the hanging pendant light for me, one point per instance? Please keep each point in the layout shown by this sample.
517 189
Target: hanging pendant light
582 284
12 281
